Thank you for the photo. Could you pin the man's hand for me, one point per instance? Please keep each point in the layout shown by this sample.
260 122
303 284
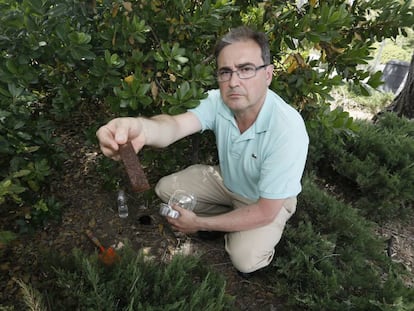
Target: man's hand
119 131
186 222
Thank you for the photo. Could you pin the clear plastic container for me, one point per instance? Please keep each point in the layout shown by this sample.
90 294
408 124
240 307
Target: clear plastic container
122 204
166 210
181 198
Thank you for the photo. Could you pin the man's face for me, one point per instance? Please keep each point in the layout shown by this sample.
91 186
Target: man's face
244 95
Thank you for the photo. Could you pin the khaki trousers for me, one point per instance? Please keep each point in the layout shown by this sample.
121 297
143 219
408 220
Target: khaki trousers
249 250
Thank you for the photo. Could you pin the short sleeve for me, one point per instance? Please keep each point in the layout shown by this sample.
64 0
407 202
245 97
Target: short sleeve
206 111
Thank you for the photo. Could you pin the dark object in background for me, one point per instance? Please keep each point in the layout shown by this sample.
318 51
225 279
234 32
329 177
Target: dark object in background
134 169
394 75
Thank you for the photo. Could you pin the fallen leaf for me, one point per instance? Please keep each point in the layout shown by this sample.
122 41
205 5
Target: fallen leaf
92 223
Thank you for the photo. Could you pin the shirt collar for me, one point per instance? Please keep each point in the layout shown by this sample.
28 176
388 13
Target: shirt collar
262 122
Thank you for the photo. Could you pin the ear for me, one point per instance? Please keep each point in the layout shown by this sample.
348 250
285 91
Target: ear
269 74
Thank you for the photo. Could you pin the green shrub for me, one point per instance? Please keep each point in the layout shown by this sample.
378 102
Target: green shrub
135 283
59 56
329 131
30 154
371 165
379 162
331 259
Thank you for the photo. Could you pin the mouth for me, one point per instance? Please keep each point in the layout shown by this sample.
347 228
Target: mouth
234 95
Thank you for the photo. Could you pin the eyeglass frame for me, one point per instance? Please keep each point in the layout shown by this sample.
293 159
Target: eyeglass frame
256 68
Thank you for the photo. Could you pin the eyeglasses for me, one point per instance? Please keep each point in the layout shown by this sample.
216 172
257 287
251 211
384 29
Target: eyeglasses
245 72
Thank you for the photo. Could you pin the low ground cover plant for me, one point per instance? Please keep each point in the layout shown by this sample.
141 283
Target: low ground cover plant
135 282
332 259
373 165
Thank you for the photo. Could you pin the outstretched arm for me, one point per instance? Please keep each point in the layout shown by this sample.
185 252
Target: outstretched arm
158 131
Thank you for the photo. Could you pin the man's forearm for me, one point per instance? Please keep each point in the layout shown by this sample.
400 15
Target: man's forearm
163 130
159 130
240 219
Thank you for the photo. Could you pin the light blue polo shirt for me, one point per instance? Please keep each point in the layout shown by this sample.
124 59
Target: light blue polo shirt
268 159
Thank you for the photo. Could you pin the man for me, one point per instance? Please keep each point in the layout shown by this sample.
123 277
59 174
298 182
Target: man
262 146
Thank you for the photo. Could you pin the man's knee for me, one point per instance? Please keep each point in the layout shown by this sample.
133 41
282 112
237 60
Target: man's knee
179 180
163 189
247 259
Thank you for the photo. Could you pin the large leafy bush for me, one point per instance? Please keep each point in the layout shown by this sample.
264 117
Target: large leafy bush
62 57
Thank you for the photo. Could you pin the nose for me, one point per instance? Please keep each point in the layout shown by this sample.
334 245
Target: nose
234 79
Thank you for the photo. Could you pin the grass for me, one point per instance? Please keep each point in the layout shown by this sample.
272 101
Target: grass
349 98
399 49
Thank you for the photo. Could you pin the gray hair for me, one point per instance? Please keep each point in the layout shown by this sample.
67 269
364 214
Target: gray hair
244 33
